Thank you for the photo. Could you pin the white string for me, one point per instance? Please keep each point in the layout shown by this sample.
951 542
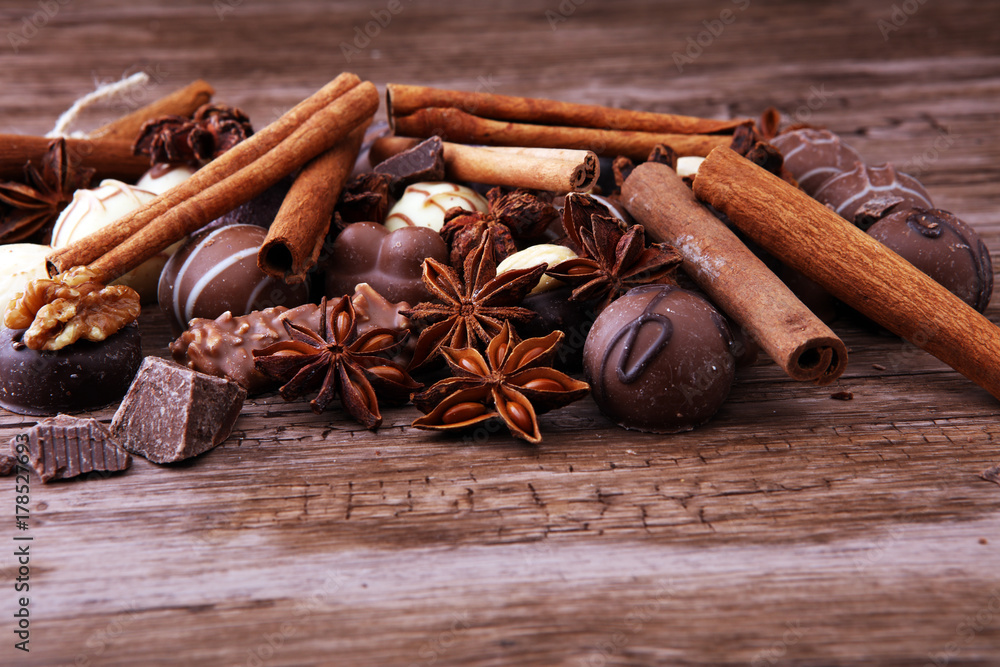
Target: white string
103 92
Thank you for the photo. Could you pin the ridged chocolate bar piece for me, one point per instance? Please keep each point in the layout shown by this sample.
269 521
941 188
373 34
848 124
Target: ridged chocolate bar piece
171 413
63 446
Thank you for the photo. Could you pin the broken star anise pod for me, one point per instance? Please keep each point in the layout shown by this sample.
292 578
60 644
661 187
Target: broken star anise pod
514 381
340 362
473 307
512 216
210 132
613 260
33 206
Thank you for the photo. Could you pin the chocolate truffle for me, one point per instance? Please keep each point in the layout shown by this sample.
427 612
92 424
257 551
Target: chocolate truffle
81 376
815 156
216 271
865 194
20 263
391 262
424 205
943 247
94 209
658 359
162 177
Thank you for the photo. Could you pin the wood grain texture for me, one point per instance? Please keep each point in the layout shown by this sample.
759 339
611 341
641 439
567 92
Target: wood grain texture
793 529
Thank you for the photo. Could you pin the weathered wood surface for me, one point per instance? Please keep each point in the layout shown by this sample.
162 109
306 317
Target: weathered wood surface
793 529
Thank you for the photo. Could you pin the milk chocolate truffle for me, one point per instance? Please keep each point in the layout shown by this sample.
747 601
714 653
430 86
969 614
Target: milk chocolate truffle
865 194
943 247
391 262
81 376
91 210
20 263
658 359
216 271
424 205
815 156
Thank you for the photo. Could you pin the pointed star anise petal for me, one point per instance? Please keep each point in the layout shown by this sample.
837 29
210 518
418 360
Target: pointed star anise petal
480 266
466 362
426 400
629 247
442 282
459 410
358 397
518 413
432 339
548 389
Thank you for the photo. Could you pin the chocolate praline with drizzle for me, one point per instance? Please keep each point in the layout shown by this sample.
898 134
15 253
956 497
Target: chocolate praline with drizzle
659 359
943 247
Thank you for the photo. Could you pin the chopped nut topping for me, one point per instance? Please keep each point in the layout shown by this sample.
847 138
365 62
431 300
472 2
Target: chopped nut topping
60 311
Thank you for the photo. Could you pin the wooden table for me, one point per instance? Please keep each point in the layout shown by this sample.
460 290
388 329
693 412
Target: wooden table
793 529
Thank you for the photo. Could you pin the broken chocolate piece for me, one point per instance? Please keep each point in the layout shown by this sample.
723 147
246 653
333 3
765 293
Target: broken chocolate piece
8 464
62 447
172 413
423 162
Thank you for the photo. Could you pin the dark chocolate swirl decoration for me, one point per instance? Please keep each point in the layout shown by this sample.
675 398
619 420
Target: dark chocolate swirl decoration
628 374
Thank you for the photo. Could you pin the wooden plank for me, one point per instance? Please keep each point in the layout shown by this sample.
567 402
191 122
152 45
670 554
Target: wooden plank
793 529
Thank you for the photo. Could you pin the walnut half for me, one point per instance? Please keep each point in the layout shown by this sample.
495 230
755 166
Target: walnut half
60 311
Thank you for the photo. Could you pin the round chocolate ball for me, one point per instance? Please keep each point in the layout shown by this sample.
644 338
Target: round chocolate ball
216 271
81 376
943 247
659 359
814 156
391 262
865 194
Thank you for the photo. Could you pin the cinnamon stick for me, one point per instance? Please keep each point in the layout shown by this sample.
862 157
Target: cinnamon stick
734 278
403 100
181 102
553 169
318 133
89 248
296 236
461 127
852 265
110 158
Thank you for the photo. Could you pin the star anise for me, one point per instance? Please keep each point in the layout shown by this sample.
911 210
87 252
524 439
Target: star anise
622 166
365 198
210 132
613 260
470 309
340 362
512 216
513 381
33 206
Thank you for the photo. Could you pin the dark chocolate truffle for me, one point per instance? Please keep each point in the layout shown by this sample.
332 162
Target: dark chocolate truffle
391 262
216 271
659 359
865 194
81 376
815 156
943 247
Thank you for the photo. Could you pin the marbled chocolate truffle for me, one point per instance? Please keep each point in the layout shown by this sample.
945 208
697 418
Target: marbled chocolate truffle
216 271
815 156
81 376
391 262
865 194
659 359
943 247
424 205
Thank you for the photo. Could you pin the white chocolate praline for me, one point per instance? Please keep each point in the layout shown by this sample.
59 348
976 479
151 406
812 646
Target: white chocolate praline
91 210
424 205
542 253
163 177
688 165
20 263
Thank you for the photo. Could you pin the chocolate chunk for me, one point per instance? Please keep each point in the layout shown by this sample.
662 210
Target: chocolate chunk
659 359
423 162
81 376
8 464
172 413
63 446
